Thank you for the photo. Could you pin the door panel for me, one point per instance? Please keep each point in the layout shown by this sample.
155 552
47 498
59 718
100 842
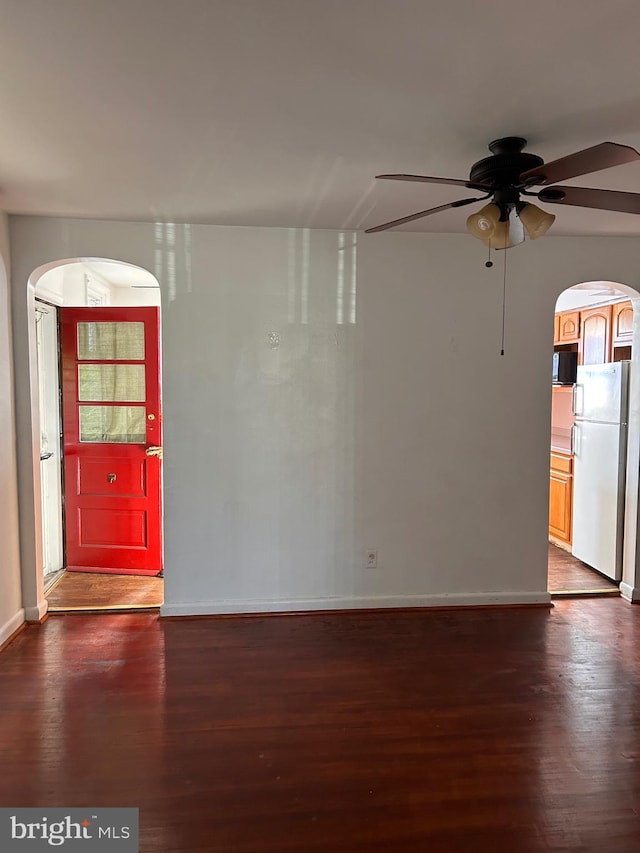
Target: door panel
111 406
126 528
94 478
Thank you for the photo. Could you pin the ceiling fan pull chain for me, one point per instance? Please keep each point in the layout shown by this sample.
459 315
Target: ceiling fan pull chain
504 296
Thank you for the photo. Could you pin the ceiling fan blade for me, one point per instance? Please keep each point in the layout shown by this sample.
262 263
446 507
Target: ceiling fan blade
460 203
602 156
454 182
598 199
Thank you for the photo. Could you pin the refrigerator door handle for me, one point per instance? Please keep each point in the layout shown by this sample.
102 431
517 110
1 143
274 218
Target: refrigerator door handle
573 439
574 388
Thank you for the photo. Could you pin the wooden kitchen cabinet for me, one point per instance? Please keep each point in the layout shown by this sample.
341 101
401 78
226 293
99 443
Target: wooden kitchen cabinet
556 328
595 340
622 323
568 331
561 497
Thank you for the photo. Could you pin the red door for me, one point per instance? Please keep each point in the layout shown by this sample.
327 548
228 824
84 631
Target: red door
112 439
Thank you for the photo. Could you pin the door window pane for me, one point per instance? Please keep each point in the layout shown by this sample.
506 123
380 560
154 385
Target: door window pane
113 383
113 424
111 341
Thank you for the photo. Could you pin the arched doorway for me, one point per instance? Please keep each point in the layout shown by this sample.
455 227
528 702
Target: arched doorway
593 483
97 344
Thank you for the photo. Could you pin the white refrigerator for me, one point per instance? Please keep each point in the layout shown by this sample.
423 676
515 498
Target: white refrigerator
599 444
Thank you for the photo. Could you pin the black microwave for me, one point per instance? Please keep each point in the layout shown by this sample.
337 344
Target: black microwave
565 368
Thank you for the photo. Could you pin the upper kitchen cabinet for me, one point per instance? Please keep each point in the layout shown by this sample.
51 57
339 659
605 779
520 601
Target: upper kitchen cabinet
621 330
567 328
595 340
622 323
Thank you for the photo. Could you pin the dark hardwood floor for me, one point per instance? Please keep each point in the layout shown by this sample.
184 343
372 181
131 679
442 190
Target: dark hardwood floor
94 591
566 574
513 729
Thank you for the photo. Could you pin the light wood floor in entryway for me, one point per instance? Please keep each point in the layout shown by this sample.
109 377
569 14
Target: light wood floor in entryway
92 591
568 576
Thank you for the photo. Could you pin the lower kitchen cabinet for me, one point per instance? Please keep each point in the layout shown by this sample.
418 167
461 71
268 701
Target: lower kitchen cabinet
561 497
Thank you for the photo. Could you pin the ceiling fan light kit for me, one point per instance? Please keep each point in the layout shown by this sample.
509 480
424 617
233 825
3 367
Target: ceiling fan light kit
484 223
510 173
535 220
509 232
502 229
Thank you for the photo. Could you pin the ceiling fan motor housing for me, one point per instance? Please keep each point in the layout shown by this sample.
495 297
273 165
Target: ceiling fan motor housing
503 169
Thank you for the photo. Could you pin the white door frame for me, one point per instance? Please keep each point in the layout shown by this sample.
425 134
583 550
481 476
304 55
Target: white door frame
47 349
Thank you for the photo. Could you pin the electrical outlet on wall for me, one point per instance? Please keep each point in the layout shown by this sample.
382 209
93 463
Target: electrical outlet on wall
372 559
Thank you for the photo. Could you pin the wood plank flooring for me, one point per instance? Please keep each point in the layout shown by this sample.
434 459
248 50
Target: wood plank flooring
462 731
566 574
92 591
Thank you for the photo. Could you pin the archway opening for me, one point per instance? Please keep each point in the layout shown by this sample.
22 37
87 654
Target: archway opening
592 485
97 374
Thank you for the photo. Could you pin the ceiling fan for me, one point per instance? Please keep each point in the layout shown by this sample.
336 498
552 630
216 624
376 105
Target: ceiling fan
508 175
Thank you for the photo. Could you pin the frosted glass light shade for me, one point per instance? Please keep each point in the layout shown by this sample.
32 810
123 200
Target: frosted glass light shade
483 223
535 220
508 233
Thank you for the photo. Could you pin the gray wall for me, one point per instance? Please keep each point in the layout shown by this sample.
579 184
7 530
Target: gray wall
321 400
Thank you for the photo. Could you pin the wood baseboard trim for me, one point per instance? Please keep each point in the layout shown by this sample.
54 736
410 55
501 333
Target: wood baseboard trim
39 621
248 609
630 593
48 589
36 614
361 611
565 546
12 636
107 608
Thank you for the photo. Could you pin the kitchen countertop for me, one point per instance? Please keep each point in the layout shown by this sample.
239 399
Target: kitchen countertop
561 441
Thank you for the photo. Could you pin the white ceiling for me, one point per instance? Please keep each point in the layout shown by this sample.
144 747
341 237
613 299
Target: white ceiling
280 112
589 293
120 274
64 278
